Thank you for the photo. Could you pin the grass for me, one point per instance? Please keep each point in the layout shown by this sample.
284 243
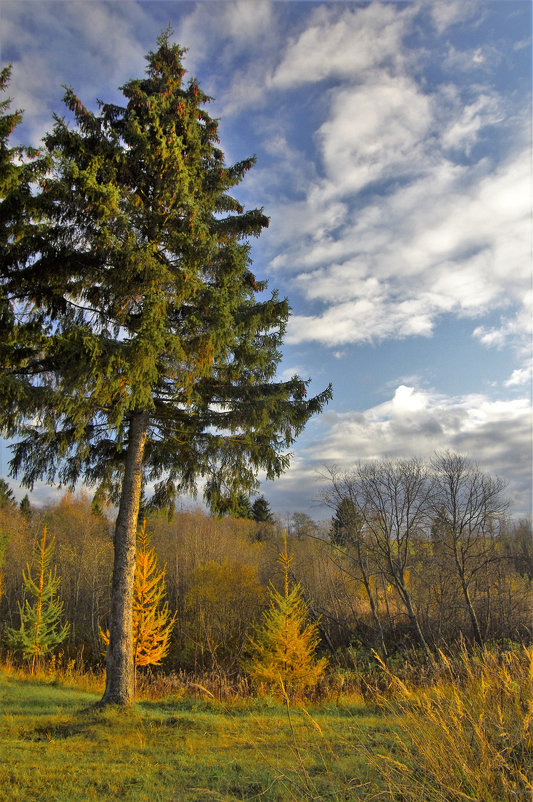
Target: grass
467 736
461 733
54 744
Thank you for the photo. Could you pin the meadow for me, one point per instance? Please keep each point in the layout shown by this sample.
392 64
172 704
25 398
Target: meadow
464 733
56 744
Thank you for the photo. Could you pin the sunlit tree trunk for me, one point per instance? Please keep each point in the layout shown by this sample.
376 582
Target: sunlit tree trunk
120 677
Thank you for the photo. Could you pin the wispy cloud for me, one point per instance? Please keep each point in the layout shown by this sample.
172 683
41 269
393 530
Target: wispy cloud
451 242
343 44
102 44
398 223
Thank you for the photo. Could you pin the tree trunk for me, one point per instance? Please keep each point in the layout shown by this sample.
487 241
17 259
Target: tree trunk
472 613
413 618
120 681
375 617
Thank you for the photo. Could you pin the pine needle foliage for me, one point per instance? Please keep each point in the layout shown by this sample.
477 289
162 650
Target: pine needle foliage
284 647
140 281
40 628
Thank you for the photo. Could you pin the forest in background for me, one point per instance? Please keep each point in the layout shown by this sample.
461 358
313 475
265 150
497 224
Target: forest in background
219 570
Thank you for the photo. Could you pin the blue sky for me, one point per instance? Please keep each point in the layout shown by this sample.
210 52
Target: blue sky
393 145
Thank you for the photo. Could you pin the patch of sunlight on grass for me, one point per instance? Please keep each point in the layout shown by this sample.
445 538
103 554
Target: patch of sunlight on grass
54 743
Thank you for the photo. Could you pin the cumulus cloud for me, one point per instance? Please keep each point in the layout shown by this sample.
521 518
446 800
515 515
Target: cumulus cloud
417 422
374 131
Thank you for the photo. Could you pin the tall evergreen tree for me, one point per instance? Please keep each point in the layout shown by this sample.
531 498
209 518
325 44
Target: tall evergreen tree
154 358
20 168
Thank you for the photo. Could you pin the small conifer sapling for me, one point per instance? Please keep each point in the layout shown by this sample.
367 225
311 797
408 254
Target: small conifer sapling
284 649
40 627
152 622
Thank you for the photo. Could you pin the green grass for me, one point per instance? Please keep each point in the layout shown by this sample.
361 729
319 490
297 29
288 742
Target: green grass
55 745
463 736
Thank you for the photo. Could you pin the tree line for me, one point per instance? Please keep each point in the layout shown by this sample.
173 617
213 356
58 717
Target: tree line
403 562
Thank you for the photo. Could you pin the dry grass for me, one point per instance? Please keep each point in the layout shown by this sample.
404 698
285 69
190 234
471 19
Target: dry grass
468 735
458 733
58 669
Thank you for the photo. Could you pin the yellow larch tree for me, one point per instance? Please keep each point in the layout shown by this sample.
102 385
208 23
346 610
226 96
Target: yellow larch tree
151 619
152 622
284 648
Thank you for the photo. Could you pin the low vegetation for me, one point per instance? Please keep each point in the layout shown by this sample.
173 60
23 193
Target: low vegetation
270 676
464 733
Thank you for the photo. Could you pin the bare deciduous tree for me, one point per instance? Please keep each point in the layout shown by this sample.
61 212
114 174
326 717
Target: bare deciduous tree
468 508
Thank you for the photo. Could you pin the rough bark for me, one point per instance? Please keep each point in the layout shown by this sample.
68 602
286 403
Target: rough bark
120 679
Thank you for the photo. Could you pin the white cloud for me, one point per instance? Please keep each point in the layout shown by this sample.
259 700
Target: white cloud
248 19
393 231
520 376
453 241
95 45
446 13
416 422
515 330
483 57
463 129
374 131
342 45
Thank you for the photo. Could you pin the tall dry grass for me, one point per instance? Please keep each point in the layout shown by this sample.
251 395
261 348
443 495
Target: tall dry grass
467 735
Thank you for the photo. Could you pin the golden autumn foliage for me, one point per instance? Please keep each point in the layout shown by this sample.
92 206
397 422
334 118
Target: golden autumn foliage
284 649
223 601
152 622
3 546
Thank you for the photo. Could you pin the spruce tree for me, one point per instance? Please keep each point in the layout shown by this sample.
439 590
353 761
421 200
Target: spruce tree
7 499
261 511
153 358
20 218
40 628
25 506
